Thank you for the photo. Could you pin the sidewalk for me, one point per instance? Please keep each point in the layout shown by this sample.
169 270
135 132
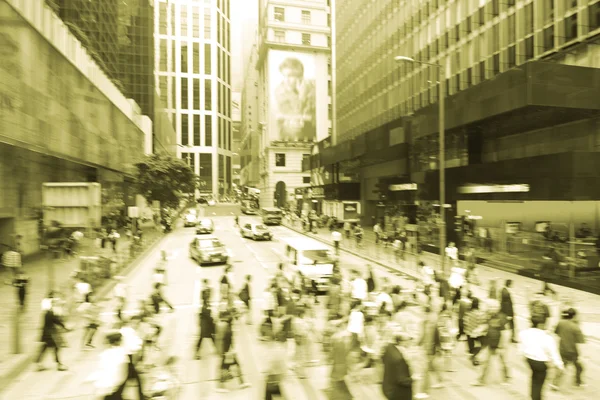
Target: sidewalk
38 271
586 303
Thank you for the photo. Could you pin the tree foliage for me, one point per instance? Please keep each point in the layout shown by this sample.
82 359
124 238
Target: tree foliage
166 179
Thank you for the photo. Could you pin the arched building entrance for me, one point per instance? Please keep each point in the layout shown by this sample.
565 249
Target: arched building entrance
280 194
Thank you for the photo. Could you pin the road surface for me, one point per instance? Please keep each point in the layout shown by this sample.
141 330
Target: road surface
198 376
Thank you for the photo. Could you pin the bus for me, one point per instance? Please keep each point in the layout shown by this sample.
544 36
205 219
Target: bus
312 258
249 207
272 215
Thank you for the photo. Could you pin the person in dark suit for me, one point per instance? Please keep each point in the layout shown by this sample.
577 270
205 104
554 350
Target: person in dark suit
397 379
507 308
49 334
207 328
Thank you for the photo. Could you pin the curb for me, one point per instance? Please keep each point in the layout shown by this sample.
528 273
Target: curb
24 360
410 274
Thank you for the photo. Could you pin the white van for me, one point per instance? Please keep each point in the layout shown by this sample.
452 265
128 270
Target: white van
312 258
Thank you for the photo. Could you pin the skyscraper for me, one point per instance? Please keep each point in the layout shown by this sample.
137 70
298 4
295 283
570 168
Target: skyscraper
193 66
294 93
119 35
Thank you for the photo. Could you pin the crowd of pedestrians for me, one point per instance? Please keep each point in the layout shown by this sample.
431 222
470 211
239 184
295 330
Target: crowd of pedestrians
365 327
407 341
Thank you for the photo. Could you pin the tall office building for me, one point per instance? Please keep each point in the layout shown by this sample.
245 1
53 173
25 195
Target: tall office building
250 133
119 35
519 77
294 93
193 76
96 25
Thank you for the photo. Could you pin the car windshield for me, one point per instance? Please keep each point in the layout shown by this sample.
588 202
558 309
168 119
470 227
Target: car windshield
315 257
261 228
206 222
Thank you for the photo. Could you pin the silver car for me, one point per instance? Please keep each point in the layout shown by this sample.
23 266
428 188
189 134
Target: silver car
208 250
205 225
256 232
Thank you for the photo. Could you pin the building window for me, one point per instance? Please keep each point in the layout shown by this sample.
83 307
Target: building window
184 93
329 41
208 130
512 56
279 14
549 38
329 111
185 135
528 11
594 16
184 59
280 159
196 93
207 94
306 179
529 48
571 27
205 163
197 129
207 23
305 17
279 36
329 88
306 39
207 59
548 12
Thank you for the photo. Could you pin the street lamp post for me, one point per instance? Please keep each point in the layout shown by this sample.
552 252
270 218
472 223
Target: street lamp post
442 150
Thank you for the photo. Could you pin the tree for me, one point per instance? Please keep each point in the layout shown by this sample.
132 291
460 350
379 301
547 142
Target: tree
166 179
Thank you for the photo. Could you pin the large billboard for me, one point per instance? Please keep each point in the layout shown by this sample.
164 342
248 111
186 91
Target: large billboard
294 89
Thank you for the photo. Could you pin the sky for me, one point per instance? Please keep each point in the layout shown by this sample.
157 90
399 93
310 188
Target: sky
244 19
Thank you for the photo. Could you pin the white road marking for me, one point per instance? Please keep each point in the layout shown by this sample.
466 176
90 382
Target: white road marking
214 305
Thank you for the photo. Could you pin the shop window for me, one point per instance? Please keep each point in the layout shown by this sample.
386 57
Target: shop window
280 159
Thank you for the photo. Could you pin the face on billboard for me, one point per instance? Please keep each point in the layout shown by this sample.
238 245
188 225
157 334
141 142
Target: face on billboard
293 96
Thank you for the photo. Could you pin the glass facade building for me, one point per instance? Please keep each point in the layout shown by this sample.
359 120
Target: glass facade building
119 35
193 75
520 78
475 40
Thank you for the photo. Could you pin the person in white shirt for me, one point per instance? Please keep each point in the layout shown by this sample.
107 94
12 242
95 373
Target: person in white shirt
336 237
359 287
120 293
378 232
452 254
110 377
132 345
539 348
356 324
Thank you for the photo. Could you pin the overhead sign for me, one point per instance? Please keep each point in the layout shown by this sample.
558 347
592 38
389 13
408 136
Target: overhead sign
402 187
473 189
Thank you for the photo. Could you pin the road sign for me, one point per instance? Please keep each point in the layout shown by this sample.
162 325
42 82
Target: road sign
133 212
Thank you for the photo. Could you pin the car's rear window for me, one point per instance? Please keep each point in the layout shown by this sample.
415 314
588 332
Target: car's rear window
207 244
261 228
206 222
